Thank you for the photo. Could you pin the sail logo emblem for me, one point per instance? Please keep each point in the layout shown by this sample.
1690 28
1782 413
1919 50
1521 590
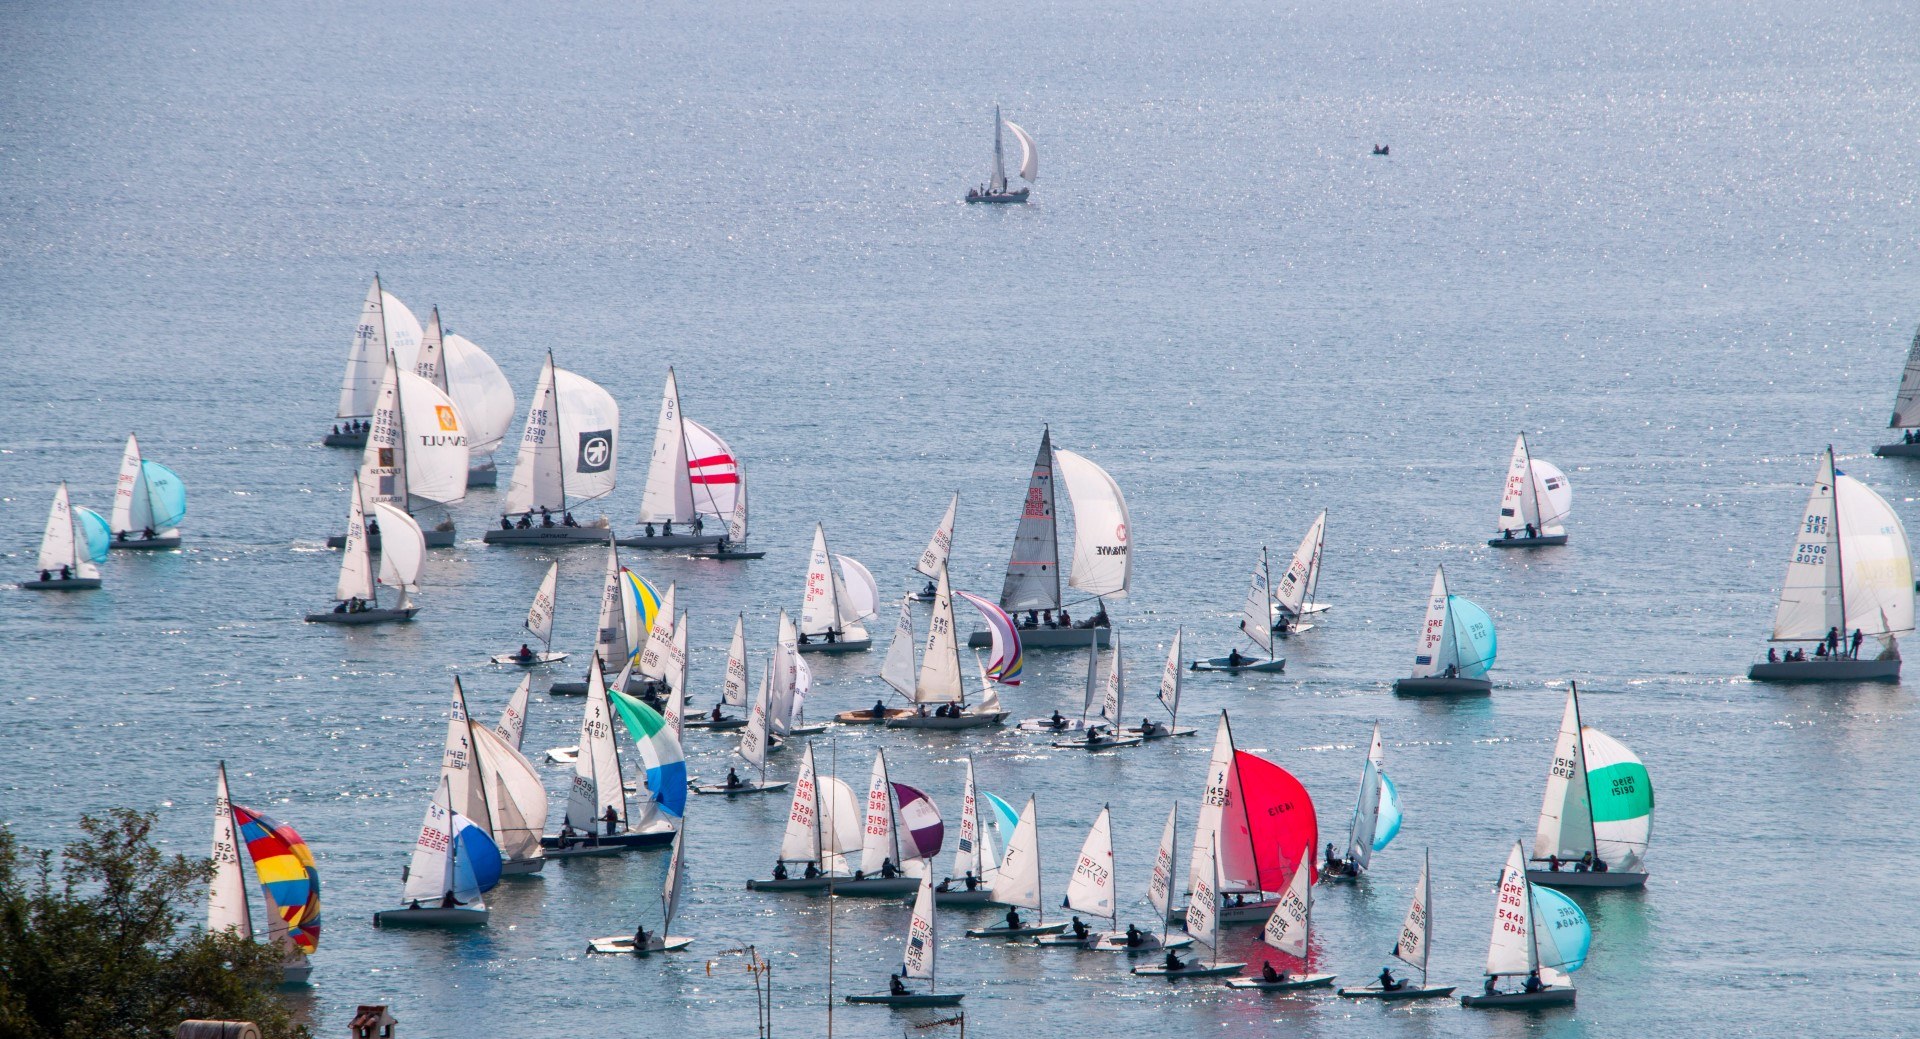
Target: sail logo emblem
1120 533
596 451
447 419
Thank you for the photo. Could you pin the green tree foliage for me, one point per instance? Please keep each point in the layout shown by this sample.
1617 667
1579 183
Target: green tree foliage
95 944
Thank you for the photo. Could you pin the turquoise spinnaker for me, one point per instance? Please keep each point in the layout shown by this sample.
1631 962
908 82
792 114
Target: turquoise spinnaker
1473 637
1388 825
99 533
1557 916
1005 814
166 494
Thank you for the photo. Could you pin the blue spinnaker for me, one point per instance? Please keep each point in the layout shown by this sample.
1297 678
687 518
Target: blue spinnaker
1471 631
1562 926
166 495
1388 825
97 533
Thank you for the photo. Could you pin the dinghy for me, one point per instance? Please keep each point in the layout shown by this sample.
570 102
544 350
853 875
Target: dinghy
754 745
923 942
1093 890
939 547
1457 646
1260 818
540 624
792 682
488 781
1169 698
386 326
642 943
1102 560
512 726
902 834
569 456
899 670
1017 884
730 546
479 389
970 882
357 598
1290 930
1851 572
1255 625
733 689
1536 498
995 191
824 824
597 815
1416 940
1294 598
67 560
454 864
837 599
1906 409
149 502
1376 816
629 610
685 481
1203 925
939 681
289 883
415 457
1101 731
1596 818
1523 946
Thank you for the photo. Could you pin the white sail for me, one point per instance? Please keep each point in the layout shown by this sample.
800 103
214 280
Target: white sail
1170 678
1113 699
785 666
934 559
881 843
656 660
1428 658
1093 678
589 426
537 478
737 519
1295 590
1018 882
540 614
481 391
939 680
899 668
719 484
1160 887
1517 508
430 873
921 939
403 551
1511 951
841 821
58 547
1552 495
516 795
968 858
1366 818
676 707
1091 889
997 183
597 782
1203 908
227 893
513 719
1256 621
131 510
989 693
676 879
1029 155
611 643
802 842
430 363
356 566
754 737
669 494
1877 563
459 773
437 453
383 461
858 594
1416 932
1102 560
733 691
1033 571
1222 821
386 325
1290 928
403 330
1810 596
1565 828
1906 403
819 611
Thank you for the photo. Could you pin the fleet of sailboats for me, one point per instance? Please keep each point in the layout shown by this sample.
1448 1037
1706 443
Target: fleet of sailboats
415 457
938 681
1533 503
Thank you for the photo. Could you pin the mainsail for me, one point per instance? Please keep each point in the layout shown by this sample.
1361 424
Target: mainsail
1851 567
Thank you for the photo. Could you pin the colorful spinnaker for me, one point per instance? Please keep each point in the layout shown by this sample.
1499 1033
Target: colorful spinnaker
659 751
1008 660
289 879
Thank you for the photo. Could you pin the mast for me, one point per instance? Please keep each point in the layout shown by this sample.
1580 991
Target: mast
999 182
1839 562
476 772
1580 756
1233 779
553 387
1529 492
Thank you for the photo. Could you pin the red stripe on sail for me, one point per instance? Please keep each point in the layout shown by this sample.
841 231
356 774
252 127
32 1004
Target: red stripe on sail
695 463
720 478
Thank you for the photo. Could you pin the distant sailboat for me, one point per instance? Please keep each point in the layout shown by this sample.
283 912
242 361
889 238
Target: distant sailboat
1906 409
970 881
1376 816
1295 598
149 502
289 883
1094 890
1290 930
824 824
386 326
939 547
1017 884
837 599
357 600
512 726
922 949
1596 818
1850 579
1256 625
645 943
539 624
902 833
733 689
756 742
415 456
1203 926
479 389
490 782
1413 948
1169 697
454 864
1457 646
939 680
1523 946
629 609
1260 818
692 477
995 190
569 456
1102 551
597 819
69 557
1534 501
1103 729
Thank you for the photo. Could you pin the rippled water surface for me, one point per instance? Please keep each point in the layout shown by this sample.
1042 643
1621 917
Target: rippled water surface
1673 242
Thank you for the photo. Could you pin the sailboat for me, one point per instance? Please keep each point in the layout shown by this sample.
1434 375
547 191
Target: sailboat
386 326
1017 884
1596 817
1259 818
1416 942
68 558
692 477
645 943
756 741
1169 697
1290 930
1457 646
1534 501
479 390
512 726
629 609
1295 597
599 785
405 553
939 547
995 190
1102 729
902 834
1093 889
824 825
489 782
1102 557
923 941
970 881
733 690
1851 572
1376 816
415 456
1523 946
149 502
1256 625
289 883
939 680
837 599
540 624
569 456
1906 408
454 864
1203 926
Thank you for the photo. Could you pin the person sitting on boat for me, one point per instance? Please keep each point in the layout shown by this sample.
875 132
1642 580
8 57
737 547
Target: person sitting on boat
46 575
1046 617
1599 864
804 640
525 654
121 535
733 780
1334 865
716 716
1490 980
546 518
566 520
640 940
649 530
1530 532
1553 863
1269 975
833 636
1014 922
1173 961
879 708
1533 981
1282 625
449 902
1148 728
888 870
147 534
944 886
1585 863
972 882
1507 534
1065 620
811 871
526 521
859 874
1134 938
373 527
1453 671
929 591
1773 656
895 985
610 818
1388 983
666 529
1032 621
1079 929
1057 721
1820 650
339 607
1234 659
779 870
1239 900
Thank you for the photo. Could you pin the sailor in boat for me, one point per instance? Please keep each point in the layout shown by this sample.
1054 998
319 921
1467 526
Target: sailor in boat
1079 928
46 575
1533 981
566 520
1856 644
1381 149
1336 866
895 985
1065 621
640 940
546 518
610 819
733 780
697 523
929 590
1134 938
526 652
1283 625
1014 923
1389 983
972 882
1234 659
450 902
1057 721
1173 961
1773 655
373 527
1149 728
1268 974
879 706
1453 671
888 870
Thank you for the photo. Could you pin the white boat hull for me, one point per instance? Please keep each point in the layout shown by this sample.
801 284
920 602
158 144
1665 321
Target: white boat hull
522 867
819 883
670 541
379 616
1828 669
876 887
435 538
1552 996
910 1000
1160 732
1405 992
624 946
1016 933
1101 742
624 841
1255 912
723 790
534 661
1225 664
354 440
1191 970
725 724
867 717
1522 541
957 896
1292 984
